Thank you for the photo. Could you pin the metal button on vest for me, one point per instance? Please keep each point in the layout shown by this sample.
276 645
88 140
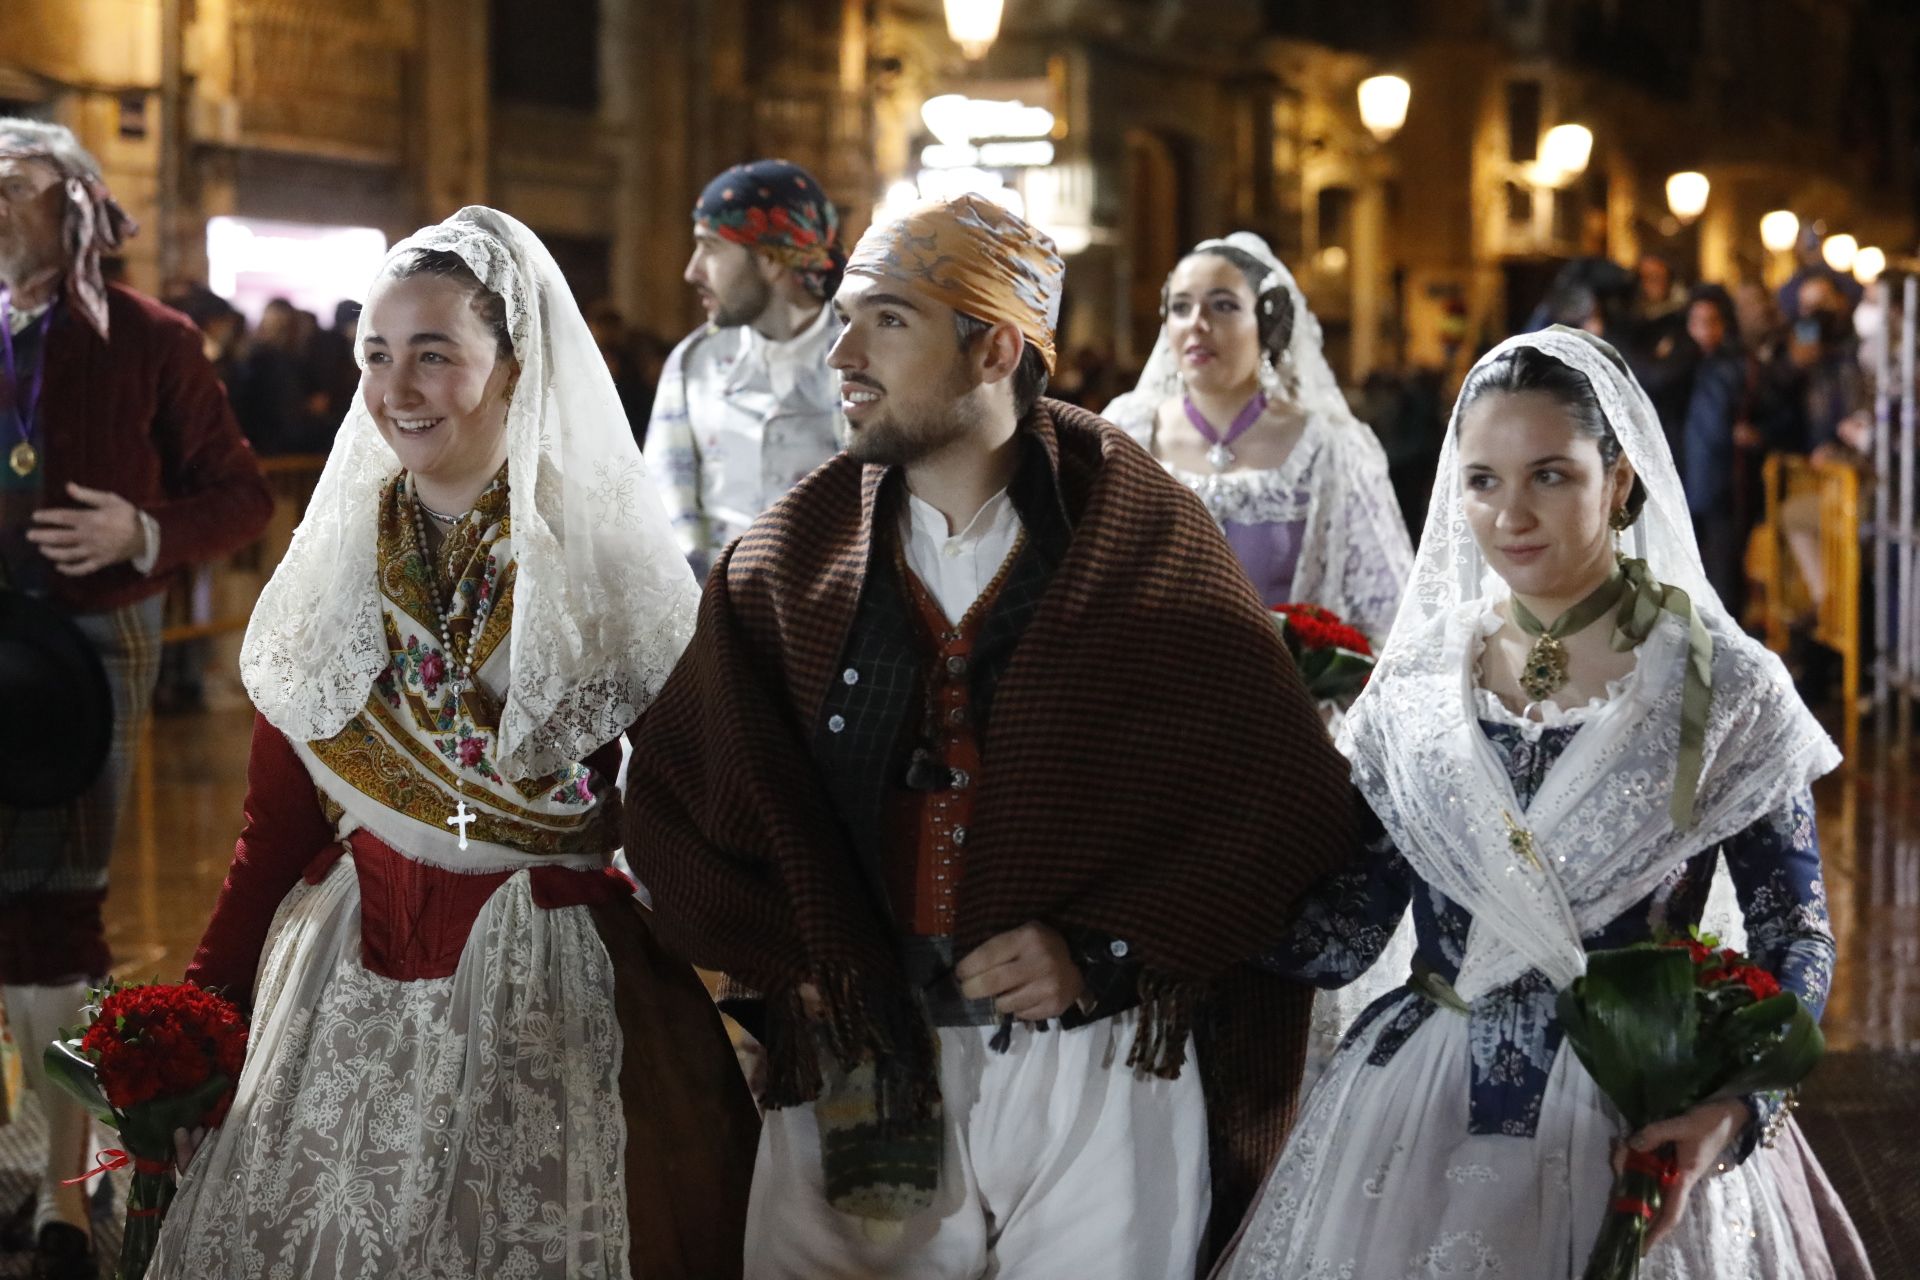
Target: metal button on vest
961 779
850 676
957 717
959 835
956 666
1117 949
836 723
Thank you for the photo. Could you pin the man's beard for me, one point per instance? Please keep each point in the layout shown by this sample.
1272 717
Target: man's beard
894 441
744 303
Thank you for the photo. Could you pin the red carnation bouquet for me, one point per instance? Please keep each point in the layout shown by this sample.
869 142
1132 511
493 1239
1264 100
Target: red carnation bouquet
1663 1027
1334 659
152 1058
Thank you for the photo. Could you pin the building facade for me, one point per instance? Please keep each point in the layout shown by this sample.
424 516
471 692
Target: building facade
597 122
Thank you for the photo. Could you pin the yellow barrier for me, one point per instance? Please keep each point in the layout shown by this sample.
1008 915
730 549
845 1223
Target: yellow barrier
1819 503
292 479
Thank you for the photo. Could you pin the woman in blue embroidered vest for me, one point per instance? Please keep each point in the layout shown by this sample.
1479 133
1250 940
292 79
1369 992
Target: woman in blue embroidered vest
467 1056
1537 682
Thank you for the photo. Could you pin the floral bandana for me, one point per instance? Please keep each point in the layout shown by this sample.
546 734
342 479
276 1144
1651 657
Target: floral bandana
975 257
96 224
778 208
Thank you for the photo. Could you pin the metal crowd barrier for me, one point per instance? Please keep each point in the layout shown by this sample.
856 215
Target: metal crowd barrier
1896 550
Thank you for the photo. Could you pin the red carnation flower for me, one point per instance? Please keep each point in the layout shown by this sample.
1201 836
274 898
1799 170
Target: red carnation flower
162 1041
1763 984
1320 628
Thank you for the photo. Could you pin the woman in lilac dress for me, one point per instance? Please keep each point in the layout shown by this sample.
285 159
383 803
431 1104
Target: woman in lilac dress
1238 403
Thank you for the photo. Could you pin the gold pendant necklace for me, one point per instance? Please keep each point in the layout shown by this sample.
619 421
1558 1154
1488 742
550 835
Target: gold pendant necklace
1545 669
23 459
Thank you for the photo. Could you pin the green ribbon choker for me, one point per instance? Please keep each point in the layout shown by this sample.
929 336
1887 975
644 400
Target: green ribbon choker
1637 599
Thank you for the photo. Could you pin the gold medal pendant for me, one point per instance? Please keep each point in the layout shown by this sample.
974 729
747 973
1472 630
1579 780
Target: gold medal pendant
23 459
1546 668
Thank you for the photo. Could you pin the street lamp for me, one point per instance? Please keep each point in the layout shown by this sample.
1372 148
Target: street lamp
1383 105
1779 230
1869 263
1840 251
1564 153
974 24
1687 195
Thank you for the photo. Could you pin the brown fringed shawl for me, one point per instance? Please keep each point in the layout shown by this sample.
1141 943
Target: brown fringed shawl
1154 771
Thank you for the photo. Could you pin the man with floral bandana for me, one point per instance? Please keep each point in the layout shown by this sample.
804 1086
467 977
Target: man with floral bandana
746 406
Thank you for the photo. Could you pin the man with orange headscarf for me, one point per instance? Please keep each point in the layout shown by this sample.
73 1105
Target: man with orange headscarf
952 784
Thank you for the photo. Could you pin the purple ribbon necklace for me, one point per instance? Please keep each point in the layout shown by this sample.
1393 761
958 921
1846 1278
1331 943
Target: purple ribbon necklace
1219 455
23 457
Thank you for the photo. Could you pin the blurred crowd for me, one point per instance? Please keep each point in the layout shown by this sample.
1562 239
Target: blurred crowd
1737 374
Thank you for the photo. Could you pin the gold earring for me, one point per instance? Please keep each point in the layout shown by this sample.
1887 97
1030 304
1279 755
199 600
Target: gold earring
1621 519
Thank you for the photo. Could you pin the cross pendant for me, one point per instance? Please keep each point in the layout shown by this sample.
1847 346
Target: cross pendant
462 819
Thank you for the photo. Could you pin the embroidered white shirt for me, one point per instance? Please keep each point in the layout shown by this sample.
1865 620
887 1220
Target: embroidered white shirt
738 420
956 567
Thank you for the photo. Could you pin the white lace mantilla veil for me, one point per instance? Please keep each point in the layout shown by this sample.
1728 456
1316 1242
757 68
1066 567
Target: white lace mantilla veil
1600 821
603 599
1314 388
1354 464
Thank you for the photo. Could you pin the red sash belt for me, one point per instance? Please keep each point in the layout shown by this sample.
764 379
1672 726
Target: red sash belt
415 918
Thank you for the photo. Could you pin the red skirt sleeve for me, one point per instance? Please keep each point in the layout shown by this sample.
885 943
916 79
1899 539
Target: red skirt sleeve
283 830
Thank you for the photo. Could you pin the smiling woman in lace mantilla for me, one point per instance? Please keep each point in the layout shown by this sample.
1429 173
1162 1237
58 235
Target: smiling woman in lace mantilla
483 595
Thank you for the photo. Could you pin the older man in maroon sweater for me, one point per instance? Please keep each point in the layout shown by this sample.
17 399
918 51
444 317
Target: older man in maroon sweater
120 461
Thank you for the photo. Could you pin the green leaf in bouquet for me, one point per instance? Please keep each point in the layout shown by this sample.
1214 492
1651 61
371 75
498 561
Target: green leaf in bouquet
72 1070
1632 1022
148 1128
1779 1044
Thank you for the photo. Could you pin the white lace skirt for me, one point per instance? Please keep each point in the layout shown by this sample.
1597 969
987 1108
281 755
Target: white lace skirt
462 1126
1381 1180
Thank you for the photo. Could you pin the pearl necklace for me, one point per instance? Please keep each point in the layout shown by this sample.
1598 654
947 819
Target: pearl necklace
461 664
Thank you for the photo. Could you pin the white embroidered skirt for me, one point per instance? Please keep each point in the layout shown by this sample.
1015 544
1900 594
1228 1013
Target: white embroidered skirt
459 1126
1381 1180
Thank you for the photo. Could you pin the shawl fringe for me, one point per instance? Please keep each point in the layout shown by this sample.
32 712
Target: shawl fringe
893 1034
1168 1007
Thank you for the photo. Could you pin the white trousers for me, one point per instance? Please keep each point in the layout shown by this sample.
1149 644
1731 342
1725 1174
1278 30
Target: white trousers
1058 1162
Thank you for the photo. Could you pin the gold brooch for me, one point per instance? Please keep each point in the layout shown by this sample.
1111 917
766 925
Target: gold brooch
1520 840
1545 669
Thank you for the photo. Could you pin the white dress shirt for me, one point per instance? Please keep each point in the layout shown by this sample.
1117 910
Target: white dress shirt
956 567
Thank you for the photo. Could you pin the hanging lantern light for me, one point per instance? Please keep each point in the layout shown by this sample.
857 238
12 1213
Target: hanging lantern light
1869 263
1564 153
1779 230
1840 251
974 24
1383 104
1687 195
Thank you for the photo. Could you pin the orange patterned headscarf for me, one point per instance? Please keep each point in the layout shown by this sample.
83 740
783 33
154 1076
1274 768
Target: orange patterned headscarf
975 257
